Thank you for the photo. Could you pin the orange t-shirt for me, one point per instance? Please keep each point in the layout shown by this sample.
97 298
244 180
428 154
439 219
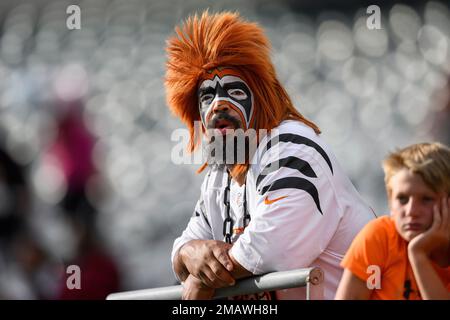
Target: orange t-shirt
379 244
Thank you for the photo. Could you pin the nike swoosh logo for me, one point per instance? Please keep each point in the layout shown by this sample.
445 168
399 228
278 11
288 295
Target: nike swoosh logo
267 201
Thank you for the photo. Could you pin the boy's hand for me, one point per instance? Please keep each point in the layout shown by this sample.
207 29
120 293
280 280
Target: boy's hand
438 235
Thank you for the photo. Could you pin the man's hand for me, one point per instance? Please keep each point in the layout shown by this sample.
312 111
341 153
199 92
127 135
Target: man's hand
208 260
195 289
437 237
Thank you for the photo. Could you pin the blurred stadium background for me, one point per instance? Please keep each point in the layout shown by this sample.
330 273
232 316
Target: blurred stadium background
370 91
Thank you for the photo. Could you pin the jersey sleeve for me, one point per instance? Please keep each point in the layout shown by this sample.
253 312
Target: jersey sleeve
297 211
368 250
198 227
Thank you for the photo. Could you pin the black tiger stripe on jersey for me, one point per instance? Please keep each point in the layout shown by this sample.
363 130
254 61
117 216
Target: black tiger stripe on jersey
198 215
289 162
295 138
295 183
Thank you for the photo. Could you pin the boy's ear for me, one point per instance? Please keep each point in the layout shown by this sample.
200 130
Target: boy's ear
388 195
389 199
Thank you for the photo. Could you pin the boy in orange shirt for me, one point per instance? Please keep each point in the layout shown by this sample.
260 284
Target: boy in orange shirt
405 255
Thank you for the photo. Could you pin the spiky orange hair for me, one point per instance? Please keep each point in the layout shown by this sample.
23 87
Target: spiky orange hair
224 40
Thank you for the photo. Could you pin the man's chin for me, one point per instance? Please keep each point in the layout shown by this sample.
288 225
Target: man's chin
228 146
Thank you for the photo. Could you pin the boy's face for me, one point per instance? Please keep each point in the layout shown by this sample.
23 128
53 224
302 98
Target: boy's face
411 202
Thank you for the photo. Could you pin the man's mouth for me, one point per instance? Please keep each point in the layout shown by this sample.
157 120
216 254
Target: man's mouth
223 125
222 122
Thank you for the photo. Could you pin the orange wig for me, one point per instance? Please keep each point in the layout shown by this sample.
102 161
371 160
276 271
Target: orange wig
225 40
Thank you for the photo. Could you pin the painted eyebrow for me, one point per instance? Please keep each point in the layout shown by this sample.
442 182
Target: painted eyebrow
205 90
236 85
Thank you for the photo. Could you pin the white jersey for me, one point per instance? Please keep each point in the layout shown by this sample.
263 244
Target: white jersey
304 210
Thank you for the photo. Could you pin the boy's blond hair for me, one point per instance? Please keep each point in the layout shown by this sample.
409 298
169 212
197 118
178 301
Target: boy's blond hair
430 160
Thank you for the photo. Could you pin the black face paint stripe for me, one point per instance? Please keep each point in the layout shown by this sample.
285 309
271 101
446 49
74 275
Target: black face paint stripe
245 103
222 92
289 162
206 90
294 138
295 183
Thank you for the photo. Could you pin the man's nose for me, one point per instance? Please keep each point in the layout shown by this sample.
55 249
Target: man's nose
220 106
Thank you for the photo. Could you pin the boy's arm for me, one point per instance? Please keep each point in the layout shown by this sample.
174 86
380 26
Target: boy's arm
435 239
369 248
352 288
430 285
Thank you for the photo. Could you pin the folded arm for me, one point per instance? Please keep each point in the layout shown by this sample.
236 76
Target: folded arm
205 265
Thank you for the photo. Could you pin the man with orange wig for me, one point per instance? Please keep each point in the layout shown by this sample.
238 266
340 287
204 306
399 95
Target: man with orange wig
288 204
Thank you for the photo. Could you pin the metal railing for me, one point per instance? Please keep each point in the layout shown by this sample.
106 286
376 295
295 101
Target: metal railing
312 278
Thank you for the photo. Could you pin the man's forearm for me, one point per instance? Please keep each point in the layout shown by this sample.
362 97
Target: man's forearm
179 266
185 252
239 271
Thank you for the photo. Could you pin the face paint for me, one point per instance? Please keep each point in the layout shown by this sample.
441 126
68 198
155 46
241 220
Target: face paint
224 89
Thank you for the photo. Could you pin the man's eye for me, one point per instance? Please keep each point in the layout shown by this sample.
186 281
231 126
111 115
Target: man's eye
237 94
206 98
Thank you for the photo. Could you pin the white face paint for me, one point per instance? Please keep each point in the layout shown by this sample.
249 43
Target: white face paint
229 89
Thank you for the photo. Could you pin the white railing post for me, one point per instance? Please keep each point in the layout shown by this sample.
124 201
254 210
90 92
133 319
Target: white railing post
314 285
312 278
